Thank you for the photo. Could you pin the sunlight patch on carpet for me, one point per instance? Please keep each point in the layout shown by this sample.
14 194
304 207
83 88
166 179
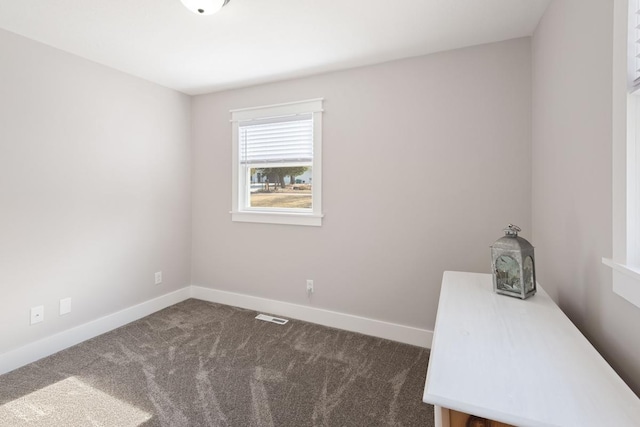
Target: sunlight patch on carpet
70 402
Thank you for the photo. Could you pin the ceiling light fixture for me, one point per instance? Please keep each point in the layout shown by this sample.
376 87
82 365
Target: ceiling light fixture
204 7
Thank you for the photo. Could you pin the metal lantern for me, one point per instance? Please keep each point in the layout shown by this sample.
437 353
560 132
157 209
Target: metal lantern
513 265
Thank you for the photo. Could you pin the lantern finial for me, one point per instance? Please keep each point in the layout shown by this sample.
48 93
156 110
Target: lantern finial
512 230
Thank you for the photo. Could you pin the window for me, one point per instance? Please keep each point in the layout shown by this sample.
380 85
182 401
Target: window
277 164
625 260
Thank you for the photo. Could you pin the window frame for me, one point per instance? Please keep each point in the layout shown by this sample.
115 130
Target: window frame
625 260
240 212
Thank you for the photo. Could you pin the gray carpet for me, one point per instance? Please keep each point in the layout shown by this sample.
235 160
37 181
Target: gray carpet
203 364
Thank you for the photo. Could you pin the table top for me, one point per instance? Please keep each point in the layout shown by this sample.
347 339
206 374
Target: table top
520 362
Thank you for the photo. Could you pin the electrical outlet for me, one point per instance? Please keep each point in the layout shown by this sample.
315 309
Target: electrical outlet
158 277
309 286
65 306
37 314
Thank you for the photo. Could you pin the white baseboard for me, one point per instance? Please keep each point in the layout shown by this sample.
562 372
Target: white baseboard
36 350
348 322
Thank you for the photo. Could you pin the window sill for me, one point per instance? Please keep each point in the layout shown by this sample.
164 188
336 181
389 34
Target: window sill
626 280
313 220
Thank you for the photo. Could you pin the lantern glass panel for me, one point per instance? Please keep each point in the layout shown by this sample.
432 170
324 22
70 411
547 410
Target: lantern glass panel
528 274
508 274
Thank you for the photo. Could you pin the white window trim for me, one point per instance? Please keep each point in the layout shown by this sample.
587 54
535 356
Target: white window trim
240 213
625 260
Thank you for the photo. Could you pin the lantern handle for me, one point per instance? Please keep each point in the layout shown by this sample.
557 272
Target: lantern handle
512 230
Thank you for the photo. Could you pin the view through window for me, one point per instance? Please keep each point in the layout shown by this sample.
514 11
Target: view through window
281 187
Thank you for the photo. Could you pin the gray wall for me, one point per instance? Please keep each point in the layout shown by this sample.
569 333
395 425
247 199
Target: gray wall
425 161
94 189
572 136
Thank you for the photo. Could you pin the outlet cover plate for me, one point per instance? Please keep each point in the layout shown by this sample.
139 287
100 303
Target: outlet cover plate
65 306
37 314
158 277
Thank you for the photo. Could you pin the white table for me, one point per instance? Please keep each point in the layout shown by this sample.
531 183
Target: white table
520 362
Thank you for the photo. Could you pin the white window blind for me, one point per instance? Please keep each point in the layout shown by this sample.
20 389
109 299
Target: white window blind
634 46
281 140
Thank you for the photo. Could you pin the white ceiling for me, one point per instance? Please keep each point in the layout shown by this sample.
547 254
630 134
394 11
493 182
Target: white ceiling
256 41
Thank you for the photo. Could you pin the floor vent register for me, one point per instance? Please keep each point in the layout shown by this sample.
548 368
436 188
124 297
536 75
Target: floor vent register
271 319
